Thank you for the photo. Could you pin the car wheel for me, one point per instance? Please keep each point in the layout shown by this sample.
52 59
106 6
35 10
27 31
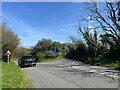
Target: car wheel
21 66
34 64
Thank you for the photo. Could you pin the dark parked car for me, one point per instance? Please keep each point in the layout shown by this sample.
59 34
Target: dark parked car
27 60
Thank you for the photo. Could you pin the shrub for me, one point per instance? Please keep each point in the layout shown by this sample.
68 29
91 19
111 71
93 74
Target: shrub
49 54
40 55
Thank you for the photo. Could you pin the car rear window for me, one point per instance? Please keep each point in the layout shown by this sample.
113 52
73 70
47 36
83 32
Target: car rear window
28 57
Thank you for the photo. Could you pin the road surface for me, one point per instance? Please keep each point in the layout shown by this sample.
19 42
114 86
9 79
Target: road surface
71 74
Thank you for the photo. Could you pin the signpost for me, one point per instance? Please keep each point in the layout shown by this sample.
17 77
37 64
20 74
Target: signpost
8 53
55 51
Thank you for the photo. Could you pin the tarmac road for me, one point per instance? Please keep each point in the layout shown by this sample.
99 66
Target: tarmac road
70 74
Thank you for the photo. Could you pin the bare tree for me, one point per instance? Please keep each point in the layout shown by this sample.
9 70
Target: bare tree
105 15
9 39
90 38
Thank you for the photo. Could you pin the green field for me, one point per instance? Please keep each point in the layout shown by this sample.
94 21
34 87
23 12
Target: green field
0 75
14 77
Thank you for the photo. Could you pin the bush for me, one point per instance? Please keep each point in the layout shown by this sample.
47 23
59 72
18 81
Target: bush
40 55
112 56
49 54
44 55
10 40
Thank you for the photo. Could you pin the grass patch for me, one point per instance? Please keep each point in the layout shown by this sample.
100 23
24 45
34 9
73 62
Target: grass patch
15 59
112 65
115 64
14 77
0 75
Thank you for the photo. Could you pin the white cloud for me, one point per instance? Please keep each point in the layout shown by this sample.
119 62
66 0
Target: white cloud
29 35
69 28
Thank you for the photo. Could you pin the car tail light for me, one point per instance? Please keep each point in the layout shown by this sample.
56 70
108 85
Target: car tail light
34 59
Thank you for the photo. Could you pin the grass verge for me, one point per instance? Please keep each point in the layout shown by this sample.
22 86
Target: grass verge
111 65
0 75
14 77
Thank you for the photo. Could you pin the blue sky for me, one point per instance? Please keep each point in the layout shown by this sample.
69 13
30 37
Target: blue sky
33 21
